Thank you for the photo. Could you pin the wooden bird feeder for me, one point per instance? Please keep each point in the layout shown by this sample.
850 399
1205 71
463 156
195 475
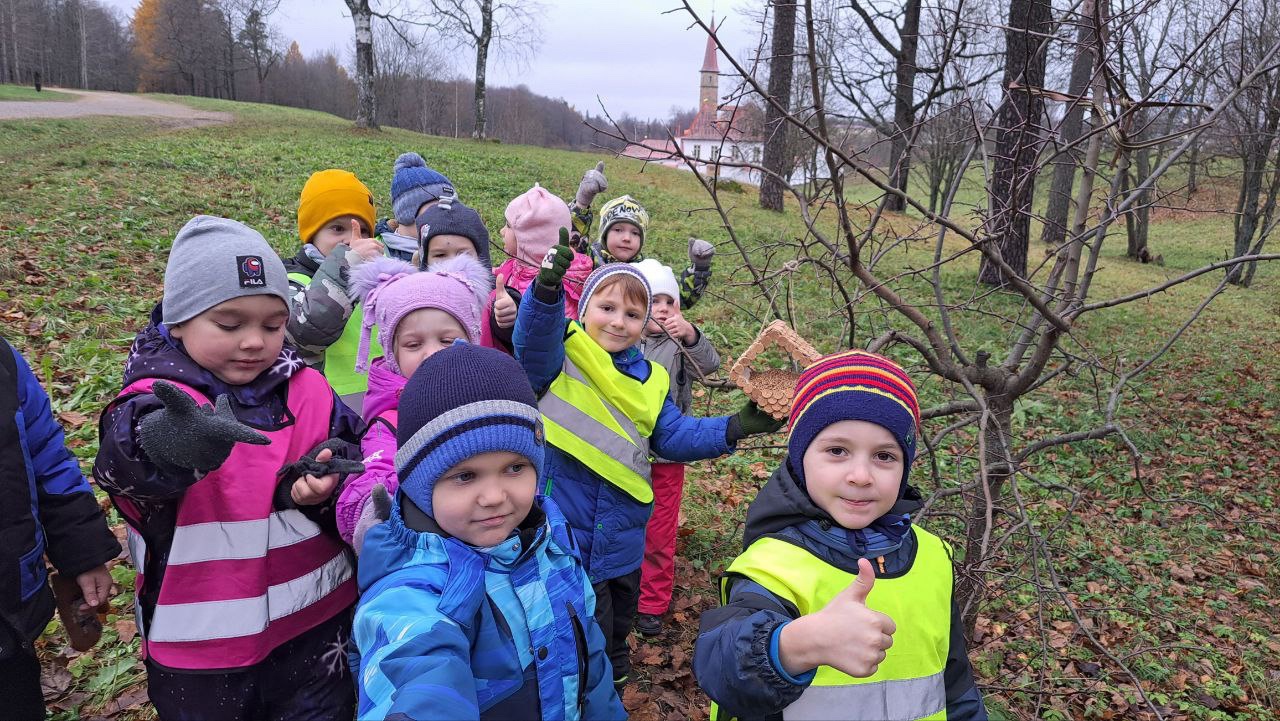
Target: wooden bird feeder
773 388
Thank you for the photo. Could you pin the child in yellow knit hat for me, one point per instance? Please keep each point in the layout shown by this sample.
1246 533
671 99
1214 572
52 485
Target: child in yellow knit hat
335 223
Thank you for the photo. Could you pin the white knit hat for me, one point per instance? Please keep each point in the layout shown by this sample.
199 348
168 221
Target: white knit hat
662 280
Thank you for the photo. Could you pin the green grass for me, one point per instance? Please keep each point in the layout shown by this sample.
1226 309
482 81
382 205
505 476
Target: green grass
24 92
99 200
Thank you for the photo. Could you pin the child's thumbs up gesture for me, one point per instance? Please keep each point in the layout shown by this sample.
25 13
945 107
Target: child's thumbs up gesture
845 634
557 262
504 308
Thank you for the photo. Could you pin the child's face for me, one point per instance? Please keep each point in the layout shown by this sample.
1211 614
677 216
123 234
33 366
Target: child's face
483 499
623 241
852 470
422 334
662 308
612 320
508 240
337 232
238 339
446 246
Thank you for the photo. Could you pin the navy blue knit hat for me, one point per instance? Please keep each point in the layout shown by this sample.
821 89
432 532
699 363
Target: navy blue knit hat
451 217
463 401
413 184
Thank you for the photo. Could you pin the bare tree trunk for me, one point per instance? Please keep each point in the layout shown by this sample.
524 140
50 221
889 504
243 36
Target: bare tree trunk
1138 223
996 434
4 43
780 77
1064 166
904 104
1018 138
482 62
366 96
84 47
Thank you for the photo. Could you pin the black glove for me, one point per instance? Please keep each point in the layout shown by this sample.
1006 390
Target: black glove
189 436
309 465
557 262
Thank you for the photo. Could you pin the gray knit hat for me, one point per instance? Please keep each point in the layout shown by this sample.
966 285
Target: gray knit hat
214 260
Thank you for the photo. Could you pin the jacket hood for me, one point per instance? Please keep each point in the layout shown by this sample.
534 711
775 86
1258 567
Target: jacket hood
261 401
385 387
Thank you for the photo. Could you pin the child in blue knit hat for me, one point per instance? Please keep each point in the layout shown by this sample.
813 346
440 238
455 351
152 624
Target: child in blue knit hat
473 603
415 186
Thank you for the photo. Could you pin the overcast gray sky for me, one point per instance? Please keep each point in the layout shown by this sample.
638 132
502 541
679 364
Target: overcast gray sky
636 58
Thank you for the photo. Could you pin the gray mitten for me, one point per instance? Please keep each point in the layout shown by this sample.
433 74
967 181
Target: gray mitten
375 510
700 253
593 183
189 436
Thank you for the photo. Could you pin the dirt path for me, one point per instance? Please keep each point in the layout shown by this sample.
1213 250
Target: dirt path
102 103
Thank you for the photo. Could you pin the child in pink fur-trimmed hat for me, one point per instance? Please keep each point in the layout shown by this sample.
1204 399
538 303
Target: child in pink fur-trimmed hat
534 221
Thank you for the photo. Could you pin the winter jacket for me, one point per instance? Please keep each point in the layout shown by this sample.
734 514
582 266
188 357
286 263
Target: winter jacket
320 308
519 275
684 363
608 524
45 507
378 446
735 656
444 630
149 498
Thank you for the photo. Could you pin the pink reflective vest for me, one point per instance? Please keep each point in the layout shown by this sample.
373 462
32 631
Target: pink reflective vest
241 577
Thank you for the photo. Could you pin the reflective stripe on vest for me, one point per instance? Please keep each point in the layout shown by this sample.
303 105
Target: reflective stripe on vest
603 417
340 358
241 578
909 683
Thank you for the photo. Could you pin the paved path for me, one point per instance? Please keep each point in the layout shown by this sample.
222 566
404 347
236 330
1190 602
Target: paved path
92 102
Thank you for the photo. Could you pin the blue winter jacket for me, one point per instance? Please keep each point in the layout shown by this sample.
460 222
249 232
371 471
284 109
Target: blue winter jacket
45 507
446 631
607 524
735 658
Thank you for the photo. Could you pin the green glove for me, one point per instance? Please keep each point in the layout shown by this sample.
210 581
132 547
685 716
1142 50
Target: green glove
754 421
557 262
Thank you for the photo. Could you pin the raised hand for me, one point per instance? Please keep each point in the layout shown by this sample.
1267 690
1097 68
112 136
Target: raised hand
504 308
845 634
700 253
677 327
366 248
593 183
186 435
556 263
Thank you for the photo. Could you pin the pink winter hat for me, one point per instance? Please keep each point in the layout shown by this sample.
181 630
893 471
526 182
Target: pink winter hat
536 217
390 289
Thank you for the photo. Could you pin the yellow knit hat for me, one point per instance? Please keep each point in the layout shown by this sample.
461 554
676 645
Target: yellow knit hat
330 194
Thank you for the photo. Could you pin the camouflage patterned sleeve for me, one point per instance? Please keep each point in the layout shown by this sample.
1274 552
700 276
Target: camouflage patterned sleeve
580 238
320 309
693 284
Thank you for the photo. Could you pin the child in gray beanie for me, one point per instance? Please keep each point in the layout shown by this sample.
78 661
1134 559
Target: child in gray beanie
223 451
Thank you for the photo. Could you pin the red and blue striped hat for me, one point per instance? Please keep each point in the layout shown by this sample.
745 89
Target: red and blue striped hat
853 386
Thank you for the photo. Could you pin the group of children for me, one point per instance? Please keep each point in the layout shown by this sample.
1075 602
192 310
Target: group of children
481 539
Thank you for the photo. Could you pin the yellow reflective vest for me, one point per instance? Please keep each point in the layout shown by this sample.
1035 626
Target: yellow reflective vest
340 358
909 683
603 417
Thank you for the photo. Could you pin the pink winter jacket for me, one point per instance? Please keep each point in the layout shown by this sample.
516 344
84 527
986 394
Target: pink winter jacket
381 404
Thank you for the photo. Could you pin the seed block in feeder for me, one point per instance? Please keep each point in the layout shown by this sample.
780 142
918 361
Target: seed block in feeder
772 388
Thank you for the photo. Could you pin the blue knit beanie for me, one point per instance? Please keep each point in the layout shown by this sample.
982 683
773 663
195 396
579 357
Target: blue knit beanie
609 270
451 217
412 184
463 401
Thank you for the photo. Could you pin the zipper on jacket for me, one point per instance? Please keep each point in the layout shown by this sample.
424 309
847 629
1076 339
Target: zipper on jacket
880 560
580 640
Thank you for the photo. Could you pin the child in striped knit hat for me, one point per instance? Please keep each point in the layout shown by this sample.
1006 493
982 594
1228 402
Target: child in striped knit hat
807 629
473 603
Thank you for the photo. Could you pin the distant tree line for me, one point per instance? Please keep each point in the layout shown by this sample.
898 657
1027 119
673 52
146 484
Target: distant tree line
74 43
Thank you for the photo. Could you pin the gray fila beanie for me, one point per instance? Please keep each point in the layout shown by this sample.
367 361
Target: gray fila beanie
215 260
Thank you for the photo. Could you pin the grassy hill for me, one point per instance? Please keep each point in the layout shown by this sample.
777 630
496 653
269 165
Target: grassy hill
1178 578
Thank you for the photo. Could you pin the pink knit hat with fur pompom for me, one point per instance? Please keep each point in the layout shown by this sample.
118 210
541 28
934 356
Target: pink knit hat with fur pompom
391 289
536 216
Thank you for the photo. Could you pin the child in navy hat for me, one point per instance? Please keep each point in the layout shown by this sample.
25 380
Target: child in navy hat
840 606
474 604
415 186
